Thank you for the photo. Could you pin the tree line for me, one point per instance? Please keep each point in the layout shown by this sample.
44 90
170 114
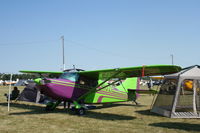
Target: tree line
17 76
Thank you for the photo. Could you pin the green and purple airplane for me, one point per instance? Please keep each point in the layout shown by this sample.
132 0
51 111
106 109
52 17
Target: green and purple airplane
98 86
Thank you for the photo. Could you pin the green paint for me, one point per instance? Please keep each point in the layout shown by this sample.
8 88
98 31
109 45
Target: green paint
77 105
109 94
37 81
129 83
127 72
40 72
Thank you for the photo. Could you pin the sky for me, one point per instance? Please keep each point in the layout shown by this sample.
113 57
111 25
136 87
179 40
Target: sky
98 34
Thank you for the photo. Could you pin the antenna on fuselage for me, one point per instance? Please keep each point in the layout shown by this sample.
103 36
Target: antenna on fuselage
9 92
63 52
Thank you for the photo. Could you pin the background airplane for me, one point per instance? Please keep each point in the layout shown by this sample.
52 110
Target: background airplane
98 86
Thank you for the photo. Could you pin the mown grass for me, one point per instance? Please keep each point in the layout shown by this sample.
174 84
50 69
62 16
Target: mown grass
120 117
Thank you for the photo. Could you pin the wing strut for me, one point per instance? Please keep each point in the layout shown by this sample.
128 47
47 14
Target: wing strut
143 67
95 88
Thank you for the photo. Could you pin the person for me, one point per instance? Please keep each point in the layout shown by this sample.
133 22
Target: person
149 85
14 94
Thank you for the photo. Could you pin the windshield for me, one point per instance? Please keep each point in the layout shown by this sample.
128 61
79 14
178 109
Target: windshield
69 76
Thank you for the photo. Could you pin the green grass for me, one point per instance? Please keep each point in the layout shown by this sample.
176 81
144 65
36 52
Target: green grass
125 117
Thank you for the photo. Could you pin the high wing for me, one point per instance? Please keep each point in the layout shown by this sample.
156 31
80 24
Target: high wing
139 71
126 72
51 74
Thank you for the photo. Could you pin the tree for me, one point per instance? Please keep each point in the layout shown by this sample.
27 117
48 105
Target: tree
4 76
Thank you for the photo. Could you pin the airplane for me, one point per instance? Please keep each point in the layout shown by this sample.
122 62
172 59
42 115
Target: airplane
97 86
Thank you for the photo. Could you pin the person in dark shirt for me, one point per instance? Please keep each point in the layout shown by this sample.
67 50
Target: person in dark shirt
14 94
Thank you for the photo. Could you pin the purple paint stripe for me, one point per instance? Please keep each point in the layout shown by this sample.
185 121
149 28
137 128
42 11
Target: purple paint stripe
119 96
112 95
62 80
119 90
113 89
58 91
111 92
116 89
67 85
100 99
62 84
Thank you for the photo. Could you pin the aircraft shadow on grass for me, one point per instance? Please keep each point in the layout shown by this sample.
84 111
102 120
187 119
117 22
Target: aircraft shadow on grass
90 114
116 105
177 125
147 112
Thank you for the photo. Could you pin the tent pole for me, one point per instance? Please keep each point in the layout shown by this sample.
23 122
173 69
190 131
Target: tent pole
9 93
194 96
176 97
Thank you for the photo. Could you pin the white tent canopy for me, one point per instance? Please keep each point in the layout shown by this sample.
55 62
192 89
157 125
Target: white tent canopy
179 96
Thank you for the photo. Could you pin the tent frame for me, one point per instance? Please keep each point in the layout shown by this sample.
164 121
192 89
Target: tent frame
171 112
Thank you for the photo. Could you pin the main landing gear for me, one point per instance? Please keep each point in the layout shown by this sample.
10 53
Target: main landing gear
77 108
80 111
50 106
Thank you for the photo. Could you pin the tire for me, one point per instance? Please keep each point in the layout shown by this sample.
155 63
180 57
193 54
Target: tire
80 111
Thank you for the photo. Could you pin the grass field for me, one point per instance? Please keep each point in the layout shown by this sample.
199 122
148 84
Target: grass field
117 118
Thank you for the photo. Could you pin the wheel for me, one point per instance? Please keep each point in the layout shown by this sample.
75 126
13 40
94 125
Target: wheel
80 111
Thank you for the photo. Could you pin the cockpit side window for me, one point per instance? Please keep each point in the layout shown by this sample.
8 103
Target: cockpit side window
87 81
69 76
